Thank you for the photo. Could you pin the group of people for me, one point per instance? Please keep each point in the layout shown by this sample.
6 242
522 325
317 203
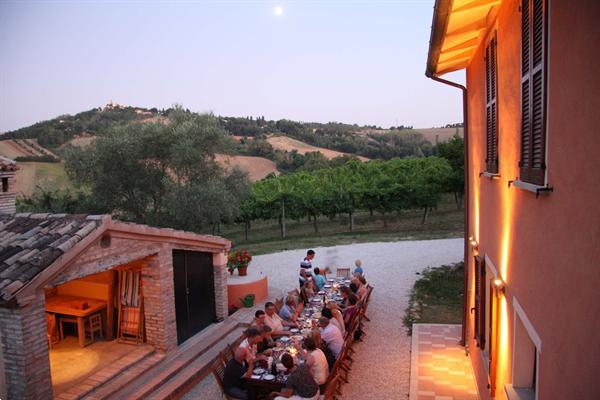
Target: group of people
319 349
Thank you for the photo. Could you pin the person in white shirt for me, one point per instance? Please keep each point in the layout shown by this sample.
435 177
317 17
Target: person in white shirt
275 322
338 323
253 336
306 267
331 335
316 360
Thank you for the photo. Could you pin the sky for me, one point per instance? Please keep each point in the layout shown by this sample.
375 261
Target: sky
347 61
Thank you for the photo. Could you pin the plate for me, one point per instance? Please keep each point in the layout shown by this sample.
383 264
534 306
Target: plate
322 292
258 371
294 330
326 286
255 376
330 280
268 377
284 339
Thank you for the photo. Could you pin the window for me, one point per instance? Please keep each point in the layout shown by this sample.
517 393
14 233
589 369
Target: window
5 184
525 358
480 283
533 91
491 107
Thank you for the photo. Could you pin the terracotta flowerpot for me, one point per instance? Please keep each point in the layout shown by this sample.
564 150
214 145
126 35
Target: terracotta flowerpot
243 271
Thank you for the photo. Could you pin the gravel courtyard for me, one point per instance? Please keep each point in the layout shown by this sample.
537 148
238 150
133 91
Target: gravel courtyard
382 363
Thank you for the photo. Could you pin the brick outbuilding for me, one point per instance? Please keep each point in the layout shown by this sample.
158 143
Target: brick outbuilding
40 252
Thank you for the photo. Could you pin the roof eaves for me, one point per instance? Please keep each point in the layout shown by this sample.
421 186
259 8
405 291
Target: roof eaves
441 15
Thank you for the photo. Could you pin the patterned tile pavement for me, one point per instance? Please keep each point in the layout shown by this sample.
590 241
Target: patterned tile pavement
440 370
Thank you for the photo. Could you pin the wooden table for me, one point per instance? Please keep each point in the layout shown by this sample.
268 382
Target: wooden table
73 306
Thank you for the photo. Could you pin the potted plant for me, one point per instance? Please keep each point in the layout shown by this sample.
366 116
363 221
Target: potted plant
239 259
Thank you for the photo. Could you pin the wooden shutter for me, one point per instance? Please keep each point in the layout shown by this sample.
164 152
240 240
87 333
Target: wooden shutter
533 91
480 302
491 108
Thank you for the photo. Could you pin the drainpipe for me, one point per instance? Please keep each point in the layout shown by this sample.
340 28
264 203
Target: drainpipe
463 340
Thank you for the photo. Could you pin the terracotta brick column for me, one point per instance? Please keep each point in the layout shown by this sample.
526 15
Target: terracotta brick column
220 271
159 300
25 351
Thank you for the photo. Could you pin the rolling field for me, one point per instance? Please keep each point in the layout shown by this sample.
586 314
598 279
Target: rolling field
257 167
443 134
289 144
49 176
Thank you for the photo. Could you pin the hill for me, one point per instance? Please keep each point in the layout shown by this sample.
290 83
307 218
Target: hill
288 144
50 176
257 167
435 135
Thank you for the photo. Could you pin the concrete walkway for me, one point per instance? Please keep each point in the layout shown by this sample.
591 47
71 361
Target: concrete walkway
440 370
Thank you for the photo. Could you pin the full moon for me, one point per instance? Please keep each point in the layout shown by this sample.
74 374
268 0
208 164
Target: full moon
278 10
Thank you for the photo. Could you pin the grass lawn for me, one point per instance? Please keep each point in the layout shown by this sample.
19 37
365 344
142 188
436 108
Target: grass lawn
437 297
264 236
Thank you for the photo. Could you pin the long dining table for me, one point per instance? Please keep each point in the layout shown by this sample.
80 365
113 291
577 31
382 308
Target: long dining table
74 306
262 382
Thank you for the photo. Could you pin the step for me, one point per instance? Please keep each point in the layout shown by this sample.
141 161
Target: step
122 380
183 356
193 373
106 374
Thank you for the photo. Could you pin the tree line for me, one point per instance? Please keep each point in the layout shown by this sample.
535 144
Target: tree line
378 186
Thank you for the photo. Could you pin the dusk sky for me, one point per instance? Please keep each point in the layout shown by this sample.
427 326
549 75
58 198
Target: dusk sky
347 61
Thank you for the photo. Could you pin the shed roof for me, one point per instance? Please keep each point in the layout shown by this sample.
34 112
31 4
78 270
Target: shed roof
32 243
457 30
6 164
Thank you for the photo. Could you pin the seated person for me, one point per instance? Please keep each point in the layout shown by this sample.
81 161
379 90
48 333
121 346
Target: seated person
275 322
338 320
300 383
290 311
345 291
238 368
358 271
316 361
351 310
316 336
361 284
319 279
307 290
266 343
331 335
253 337
259 318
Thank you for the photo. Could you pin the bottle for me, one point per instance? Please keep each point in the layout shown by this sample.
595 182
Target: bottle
274 367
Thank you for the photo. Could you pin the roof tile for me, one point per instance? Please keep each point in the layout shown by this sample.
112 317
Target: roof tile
30 243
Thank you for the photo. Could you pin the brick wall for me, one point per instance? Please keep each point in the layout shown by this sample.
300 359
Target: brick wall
97 258
159 301
221 273
25 351
7 199
23 330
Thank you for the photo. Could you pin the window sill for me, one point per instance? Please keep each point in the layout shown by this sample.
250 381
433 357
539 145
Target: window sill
530 187
490 175
514 393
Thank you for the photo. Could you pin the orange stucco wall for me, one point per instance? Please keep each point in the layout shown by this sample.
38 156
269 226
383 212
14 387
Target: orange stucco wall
547 250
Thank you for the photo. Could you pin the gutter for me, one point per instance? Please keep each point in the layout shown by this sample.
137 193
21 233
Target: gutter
465 200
